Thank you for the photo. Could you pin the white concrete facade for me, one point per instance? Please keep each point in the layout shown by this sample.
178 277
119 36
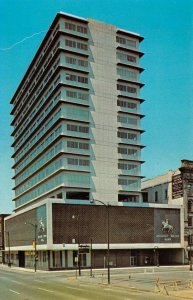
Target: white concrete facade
104 112
77 129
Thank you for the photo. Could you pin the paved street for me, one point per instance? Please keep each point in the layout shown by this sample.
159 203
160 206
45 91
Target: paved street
126 284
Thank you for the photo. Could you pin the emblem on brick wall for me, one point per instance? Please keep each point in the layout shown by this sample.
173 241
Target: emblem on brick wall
41 230
41 226
166 227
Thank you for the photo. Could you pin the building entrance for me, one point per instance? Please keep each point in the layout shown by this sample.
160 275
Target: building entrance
21 258
133 261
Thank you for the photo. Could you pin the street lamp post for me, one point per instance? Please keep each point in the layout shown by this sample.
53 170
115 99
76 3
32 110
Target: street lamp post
35 243
78 240
108 238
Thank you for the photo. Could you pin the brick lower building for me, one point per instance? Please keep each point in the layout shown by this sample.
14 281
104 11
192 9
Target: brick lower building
3 235
137 235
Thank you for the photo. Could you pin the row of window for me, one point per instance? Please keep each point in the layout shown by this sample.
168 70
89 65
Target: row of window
44 173
46 157
127 120
73 112
37 63
77 95
78 145
74 27
78 162
75 61
127 57
48 108
78 128
71 144
77 78
51 38
123 72
39 134
127 198
39 149
70 127
124 166
127 135
75 44
69 179
36 79
127 88
123 181
40 190
39 163
127 104
36 93
127 151
126 41
80 180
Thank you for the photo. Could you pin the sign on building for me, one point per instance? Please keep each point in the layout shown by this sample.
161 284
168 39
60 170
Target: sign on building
167 226
42 224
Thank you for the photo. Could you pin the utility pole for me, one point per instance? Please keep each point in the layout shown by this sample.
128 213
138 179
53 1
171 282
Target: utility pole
78 240
190 253
108 244
35 243
108 237
91 258
9 250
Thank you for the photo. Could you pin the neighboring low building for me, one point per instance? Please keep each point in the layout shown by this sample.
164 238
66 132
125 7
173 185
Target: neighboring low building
3 234
174 188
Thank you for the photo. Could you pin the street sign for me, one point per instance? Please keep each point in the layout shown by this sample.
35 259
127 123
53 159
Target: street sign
85 246
83 249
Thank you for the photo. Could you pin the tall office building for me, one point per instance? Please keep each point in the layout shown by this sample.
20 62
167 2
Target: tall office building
76 116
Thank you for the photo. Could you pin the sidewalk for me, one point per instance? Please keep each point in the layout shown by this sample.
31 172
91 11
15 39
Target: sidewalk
144 280
138 279
182 292
147 269
15 268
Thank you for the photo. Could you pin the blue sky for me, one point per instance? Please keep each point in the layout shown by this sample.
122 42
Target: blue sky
168 29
